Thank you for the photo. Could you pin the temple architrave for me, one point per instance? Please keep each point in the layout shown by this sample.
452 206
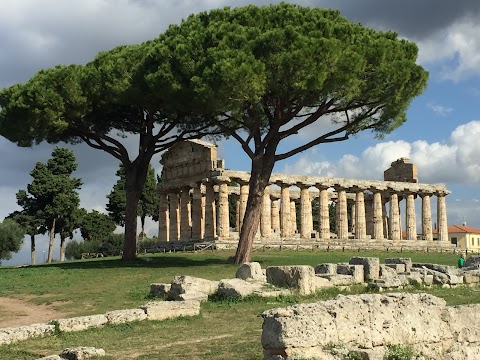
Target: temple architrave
197 193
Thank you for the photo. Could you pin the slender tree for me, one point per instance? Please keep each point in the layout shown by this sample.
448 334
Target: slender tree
11 238
147 204
269 72
53 194
31 224
111 97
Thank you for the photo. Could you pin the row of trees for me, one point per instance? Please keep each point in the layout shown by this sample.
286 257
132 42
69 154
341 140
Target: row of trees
256 74
51 204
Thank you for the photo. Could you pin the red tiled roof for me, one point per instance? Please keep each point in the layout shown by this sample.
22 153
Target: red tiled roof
462 229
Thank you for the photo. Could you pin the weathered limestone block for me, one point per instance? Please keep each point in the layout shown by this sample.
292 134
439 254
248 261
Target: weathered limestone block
337 279
161 310
301 278
393 282
80 323
322 282
428 279
239 287
328 268
470 277
124 316
400 261
445 269
14 334
251 270
368 322
191 288
414 278
371 266
387 272
356 271
399 268
159 289
472 261
81 353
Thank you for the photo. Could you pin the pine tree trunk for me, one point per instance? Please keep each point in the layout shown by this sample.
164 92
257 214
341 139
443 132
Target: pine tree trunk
142 219
50 244
261 170
62 247
32 247
135 175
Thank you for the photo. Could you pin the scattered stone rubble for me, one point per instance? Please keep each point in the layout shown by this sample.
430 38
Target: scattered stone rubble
185 293
78 353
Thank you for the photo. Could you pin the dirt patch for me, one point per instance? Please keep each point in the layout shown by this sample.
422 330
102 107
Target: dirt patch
19 312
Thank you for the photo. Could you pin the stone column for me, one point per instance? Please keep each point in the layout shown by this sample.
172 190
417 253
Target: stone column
163 217
285 216
360 223
223 213
394 225
353 217
243 202
198 221
323 214
174 216
266 217
210 212
442 217
185 230
369 215
342 218
410 218
378 222
426 218
293 218
386 230
275 216
237 214
306 225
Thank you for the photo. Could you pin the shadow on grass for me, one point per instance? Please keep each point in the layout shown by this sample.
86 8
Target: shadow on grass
143 261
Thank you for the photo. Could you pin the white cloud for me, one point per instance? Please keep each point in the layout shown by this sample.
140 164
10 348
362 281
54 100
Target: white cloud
456 49
456 161
439 109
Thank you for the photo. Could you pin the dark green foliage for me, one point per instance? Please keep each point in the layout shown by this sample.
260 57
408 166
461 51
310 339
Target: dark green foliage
11 238
51 199
147 205
266 73
96 226
108 245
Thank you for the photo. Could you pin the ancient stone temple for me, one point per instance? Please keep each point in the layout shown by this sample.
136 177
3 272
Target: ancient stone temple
201 200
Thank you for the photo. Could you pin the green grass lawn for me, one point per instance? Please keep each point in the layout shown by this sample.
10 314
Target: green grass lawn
224 330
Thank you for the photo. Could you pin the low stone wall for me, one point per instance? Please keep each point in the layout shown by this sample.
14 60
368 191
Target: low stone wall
155 310
367 324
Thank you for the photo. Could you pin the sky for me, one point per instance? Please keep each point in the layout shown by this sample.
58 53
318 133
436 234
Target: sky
441 135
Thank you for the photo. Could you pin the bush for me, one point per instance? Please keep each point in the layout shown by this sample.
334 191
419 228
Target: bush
398 352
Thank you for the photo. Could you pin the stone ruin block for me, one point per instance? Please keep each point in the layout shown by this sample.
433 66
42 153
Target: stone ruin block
356 271
399 268
421 321
387 283
124 316
336 279
387 272
238 288
161 310
80 323
159 289
185 288
81 353
471 277
328 268
371 266
400 261
472 261
14 334
300 278
251 270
